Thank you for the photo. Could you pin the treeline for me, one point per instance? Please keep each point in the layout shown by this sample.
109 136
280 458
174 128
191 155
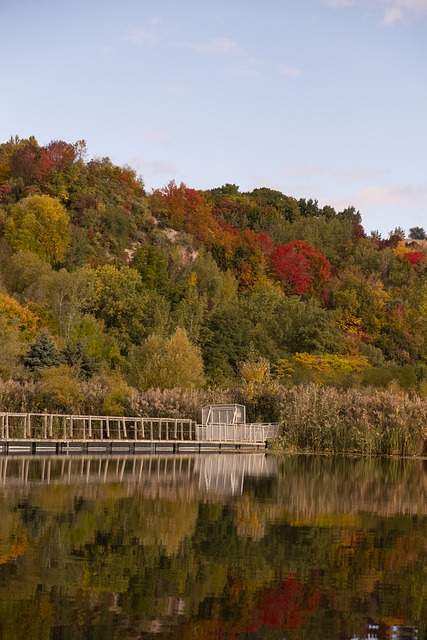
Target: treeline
105 284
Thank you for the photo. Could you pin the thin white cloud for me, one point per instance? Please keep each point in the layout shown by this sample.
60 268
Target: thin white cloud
396 10
314 173
291 72
216 46
399 201
245 67
407 196
148 35
392 10
392 15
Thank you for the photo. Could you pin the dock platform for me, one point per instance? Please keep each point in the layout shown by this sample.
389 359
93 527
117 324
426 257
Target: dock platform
48 433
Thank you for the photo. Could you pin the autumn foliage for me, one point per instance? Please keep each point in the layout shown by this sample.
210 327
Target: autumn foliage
302 269
415 257
112 272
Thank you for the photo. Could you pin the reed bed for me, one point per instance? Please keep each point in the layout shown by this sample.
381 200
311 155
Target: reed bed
319 419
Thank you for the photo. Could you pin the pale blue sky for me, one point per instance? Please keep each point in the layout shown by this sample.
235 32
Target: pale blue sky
321 99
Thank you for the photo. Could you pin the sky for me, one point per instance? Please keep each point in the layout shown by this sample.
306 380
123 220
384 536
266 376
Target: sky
321 99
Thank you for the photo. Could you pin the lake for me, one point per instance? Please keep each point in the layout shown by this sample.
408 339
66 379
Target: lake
213 546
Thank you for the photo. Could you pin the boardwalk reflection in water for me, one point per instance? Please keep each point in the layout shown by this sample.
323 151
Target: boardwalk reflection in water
222 547
214 473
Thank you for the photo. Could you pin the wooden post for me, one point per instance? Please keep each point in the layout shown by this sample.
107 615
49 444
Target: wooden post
51 426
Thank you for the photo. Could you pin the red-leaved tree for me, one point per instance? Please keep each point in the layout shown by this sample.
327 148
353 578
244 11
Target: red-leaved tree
415 257
302 269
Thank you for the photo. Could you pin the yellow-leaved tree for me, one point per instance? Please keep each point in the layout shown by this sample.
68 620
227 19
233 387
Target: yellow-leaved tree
174 362
39 224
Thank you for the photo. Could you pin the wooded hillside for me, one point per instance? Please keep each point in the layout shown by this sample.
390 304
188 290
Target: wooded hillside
104 282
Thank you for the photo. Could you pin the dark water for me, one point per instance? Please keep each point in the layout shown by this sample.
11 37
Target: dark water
213 547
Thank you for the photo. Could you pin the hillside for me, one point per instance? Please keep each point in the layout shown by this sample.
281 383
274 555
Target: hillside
181 288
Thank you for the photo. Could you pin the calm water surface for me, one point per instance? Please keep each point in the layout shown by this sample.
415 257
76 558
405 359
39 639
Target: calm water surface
214 547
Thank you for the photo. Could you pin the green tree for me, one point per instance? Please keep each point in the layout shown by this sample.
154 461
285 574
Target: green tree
360 302
262 306
60 388
39 224
166 364
129 312
287 207
151 264
190 310
417 233
26 276
69 295
225 339
308 327
75 355
12 347
219 287
98 344
42 353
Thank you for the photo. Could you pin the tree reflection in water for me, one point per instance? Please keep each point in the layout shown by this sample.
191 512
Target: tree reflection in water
212 546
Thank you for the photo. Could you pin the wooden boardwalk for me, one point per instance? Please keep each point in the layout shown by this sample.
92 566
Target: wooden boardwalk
33 433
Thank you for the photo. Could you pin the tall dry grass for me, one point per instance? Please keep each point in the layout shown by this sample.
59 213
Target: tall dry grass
95 396
327 420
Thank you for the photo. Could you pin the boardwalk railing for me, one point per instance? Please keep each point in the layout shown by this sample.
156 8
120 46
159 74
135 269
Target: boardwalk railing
56 426
255 432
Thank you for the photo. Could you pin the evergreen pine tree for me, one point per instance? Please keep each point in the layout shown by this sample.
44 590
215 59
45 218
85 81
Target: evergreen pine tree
42 353
76 355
